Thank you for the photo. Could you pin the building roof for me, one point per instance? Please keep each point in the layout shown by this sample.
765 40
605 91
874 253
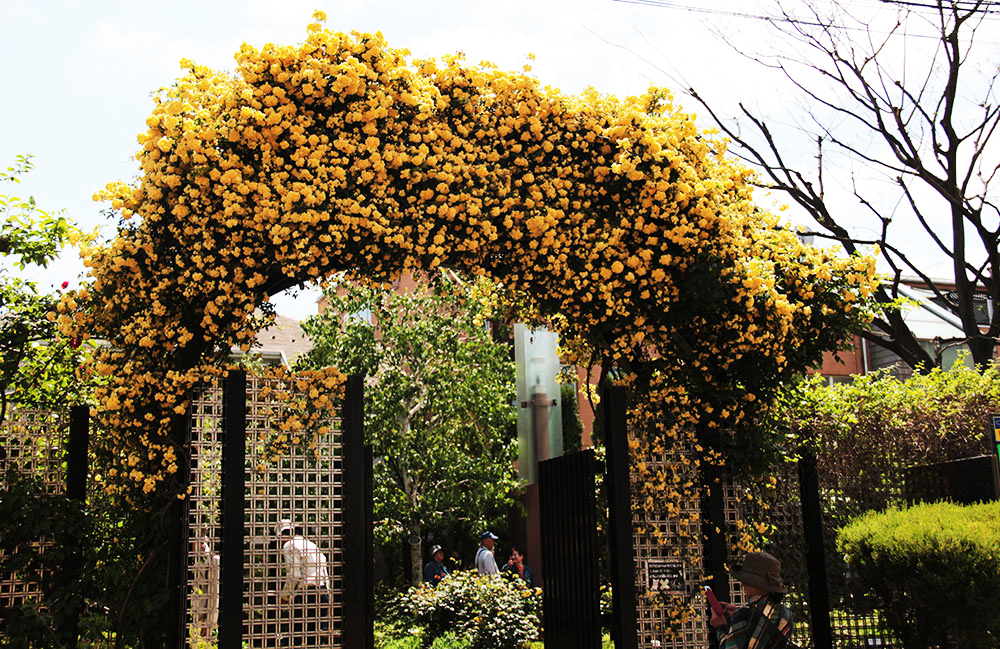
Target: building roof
929 320
282 342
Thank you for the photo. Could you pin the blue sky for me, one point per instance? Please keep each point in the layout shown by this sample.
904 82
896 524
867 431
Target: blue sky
77 75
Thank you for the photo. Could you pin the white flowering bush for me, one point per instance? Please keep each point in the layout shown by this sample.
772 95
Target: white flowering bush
494 612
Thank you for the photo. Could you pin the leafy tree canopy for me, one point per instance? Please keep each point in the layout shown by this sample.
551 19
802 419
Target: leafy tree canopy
37 367
438 402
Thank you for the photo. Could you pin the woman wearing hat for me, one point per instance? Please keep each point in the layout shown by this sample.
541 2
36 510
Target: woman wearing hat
764 623
435 569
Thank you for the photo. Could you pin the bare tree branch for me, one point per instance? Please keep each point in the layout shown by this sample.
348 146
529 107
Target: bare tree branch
903 114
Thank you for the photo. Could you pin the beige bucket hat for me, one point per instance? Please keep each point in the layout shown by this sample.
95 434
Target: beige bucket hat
760 570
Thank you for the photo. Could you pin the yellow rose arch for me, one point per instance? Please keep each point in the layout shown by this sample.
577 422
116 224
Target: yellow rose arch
616 221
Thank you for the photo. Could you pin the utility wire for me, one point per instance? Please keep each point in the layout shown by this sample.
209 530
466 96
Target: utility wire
971 6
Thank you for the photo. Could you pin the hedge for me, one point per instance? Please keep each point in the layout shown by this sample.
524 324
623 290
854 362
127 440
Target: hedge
932 570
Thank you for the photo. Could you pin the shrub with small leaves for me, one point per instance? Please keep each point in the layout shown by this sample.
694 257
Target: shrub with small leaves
493 612
931 569
451 640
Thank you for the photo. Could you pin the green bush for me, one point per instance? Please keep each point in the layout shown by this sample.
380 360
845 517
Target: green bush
473 612
391 632
451 640
120 588
931 570
406 642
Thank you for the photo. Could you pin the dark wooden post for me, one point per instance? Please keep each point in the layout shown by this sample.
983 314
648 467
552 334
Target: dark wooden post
234 426
625 630
714 526
76 489
812 527
359 601
76 455
993 443
369 555
177 551
715 551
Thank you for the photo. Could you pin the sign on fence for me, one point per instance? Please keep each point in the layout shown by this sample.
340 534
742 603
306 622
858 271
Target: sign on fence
665 575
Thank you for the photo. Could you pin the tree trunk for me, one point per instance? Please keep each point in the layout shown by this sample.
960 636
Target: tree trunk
416 554
982 349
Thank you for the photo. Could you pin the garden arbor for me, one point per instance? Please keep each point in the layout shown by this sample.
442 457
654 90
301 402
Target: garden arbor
614 220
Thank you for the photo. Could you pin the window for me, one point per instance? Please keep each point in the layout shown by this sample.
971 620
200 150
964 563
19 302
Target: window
364 315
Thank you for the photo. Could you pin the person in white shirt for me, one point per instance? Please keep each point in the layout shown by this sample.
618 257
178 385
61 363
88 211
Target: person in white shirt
205 587
486 564
307 586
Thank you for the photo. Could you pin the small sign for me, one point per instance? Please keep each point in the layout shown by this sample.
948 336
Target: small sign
665 575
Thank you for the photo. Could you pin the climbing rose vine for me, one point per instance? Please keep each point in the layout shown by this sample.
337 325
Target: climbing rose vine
615 220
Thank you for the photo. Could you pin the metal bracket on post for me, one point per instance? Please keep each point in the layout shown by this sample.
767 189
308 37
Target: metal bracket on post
540 403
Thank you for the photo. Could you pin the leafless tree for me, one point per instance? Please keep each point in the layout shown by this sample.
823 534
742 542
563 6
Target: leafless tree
911 102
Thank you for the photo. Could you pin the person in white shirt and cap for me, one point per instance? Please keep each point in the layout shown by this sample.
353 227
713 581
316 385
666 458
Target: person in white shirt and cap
486 563
307 585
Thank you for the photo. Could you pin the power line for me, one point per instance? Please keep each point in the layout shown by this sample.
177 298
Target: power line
970 6
669 4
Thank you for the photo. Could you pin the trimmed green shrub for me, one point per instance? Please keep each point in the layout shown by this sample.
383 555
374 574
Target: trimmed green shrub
931 570
475 612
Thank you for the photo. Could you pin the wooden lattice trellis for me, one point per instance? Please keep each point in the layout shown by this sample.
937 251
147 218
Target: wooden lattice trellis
34 446
683 553
778 507
305 486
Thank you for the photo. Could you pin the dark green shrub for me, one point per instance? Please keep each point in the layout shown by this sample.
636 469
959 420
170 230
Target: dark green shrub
476 612
120 588
931 570
865 435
